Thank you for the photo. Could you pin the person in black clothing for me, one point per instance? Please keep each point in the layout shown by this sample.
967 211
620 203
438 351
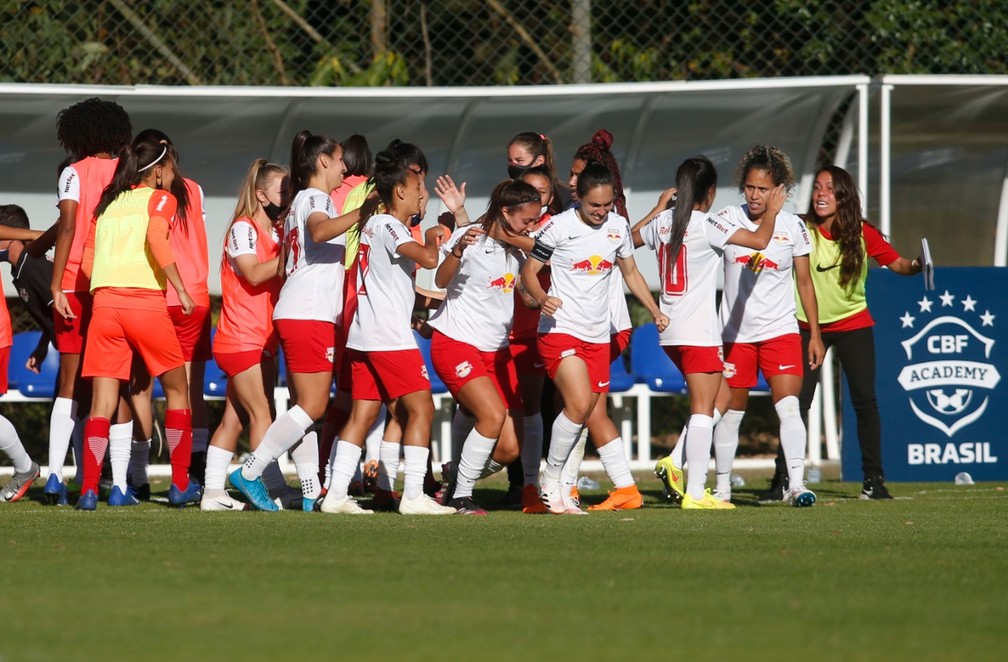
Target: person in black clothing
31 276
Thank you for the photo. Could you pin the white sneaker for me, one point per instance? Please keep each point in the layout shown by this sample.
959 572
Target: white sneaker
572 505
723 494
552 495
344 506
800 496
422 505
220 502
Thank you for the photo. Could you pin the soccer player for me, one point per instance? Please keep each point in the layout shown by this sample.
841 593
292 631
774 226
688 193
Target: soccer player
757 314
470 344
129 261
245 346
584 245
689 243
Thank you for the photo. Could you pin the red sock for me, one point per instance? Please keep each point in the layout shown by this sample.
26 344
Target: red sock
178 433
96 434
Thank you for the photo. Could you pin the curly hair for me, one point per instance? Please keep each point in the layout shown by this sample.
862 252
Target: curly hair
599 151
846 228
769 158
93 127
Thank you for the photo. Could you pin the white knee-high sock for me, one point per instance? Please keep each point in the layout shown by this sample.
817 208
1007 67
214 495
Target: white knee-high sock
388 464
698 452
792 438
306 461
615 463
346 460
564 436
414 470
531 450
11 446
286 430
373 440
61 427
217 462
139 461
461 425
120 446
725 445
572 467
679 450
476 454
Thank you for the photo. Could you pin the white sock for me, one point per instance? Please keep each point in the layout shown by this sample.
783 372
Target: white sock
679 450
725 445
475 454
698 452
461 425
120 446
273 478
531 450
388 464
572 467
306 460
200 440
346 460
564 437
414 470
372 445
11 446
615 463
492 467
217 462
792 438
139 460
61 427
288 429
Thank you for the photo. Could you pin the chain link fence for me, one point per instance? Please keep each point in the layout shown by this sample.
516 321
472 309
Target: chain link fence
491 42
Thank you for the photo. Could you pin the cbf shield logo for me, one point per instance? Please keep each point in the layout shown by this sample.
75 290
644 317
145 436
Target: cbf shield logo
949 377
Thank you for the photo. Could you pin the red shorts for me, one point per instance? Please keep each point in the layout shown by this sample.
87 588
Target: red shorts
387 375
4 365
117 333
235 363
691 359
555 347
618 342
458 364
307 344
193 332
70 333
777 356
525 355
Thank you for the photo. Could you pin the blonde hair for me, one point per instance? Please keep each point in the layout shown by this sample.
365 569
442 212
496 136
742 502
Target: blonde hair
258 177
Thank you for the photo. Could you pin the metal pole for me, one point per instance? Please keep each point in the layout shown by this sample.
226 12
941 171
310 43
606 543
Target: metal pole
885 147
581 46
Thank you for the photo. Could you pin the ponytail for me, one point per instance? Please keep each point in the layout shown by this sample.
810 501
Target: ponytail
305 151
695 178
599 150
134 159
178 187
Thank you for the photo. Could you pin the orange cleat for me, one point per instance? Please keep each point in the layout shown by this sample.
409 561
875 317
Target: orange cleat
531 502
623 498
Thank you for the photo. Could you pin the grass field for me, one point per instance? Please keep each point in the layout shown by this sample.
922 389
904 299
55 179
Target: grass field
923 577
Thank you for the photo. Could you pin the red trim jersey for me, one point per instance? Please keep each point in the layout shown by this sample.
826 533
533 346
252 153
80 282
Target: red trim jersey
246 317
83 182
189 245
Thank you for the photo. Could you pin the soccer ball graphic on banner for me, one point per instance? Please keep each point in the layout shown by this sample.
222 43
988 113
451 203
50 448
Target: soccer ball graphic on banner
950 404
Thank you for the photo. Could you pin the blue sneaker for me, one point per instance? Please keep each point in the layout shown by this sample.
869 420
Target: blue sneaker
191 494
120 498
88 500
308 505
55 491
254 490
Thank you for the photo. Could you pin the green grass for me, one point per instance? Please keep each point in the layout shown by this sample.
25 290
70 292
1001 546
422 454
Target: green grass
920 577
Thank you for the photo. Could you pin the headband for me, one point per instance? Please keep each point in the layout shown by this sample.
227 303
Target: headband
154 162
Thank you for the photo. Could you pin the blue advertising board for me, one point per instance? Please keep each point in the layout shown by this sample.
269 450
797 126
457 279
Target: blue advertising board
941 356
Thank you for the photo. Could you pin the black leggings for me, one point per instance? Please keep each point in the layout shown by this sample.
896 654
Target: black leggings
856 352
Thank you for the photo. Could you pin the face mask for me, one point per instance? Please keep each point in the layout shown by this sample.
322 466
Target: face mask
415 220
516 171
273 212
4 254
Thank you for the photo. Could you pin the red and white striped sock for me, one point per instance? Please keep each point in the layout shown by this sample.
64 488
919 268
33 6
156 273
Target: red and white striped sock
96 441
178 434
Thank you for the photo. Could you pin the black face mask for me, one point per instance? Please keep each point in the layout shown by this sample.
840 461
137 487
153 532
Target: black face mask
273 212
516 171
415 220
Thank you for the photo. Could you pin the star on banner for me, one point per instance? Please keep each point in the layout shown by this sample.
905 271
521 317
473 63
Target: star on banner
987 318
908 320
925 305
969 304
946 299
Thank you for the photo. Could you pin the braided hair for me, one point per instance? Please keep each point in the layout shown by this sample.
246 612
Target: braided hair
599 151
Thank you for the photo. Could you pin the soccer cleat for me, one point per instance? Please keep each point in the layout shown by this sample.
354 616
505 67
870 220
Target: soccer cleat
344 506
87 501
449 478
220 503
19 483
531 503
671 477
708 502
572 503
253 490
308 505
197 466
386 501
55 491
287 498
142 492
423 505
551 495
466 506
623 498
511 499
191 494
800 496
370 473
874 488
120 498
723 494
775 491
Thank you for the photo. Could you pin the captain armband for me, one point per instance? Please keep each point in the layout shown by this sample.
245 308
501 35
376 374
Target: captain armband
542 252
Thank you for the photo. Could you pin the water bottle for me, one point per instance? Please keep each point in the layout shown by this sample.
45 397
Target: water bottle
963 478
586 483
814 475
737 480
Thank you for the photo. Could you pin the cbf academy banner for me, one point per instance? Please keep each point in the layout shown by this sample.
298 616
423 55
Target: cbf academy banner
942 359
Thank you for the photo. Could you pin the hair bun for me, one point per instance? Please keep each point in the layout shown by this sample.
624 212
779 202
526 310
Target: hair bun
386 160
603 139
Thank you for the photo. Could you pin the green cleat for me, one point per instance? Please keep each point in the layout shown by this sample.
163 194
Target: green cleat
671 477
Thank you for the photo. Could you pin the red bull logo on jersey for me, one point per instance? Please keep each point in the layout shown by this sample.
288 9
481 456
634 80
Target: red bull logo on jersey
757 262
503 283
462 370
614 236
781 238
593 266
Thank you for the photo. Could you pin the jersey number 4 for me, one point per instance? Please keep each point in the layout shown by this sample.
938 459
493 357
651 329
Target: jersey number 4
674 276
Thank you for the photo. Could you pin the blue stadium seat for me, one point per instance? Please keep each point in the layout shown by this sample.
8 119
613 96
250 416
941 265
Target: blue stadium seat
214 379
42 385
650 365
620 380
437 386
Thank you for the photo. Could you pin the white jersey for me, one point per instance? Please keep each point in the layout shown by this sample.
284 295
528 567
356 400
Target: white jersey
619 313
313 289
69 185
478 308
688 291
385 288
243 239
582 261
758 300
